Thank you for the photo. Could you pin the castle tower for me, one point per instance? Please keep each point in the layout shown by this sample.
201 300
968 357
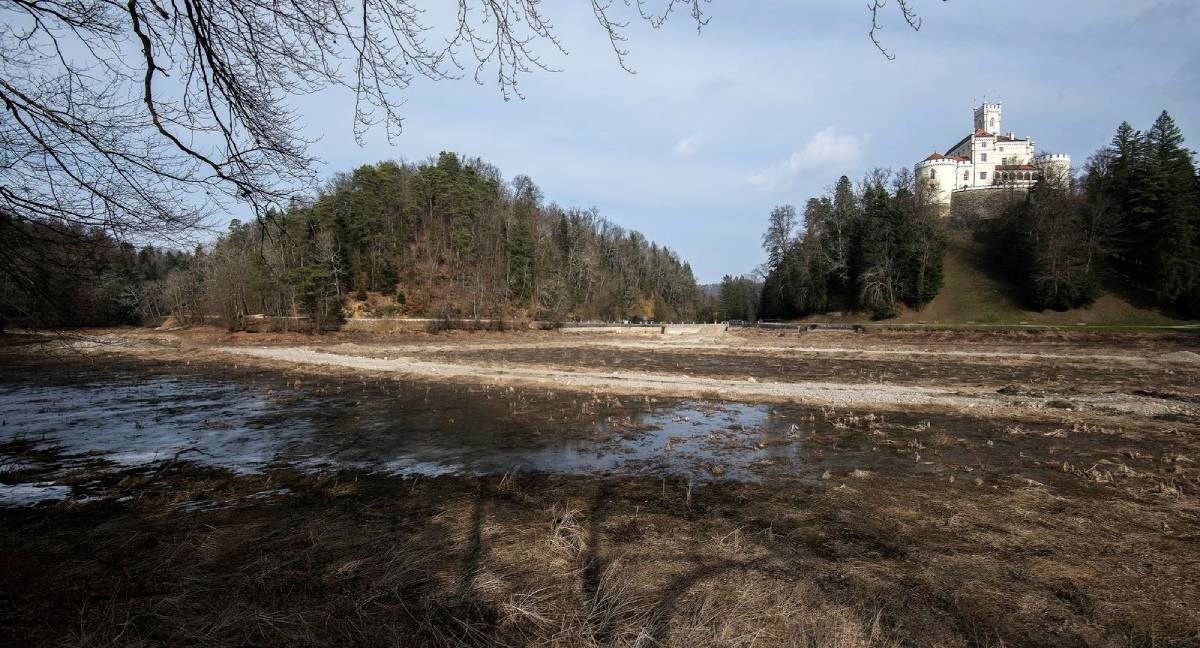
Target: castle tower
1055 165
987 117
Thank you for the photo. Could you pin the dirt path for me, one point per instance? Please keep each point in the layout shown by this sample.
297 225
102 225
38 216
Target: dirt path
639 383
732 344
753 348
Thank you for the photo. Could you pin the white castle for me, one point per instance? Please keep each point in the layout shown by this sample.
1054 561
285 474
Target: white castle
985 159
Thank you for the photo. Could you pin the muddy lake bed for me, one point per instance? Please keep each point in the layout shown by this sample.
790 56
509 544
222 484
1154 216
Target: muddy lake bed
141 484
139 415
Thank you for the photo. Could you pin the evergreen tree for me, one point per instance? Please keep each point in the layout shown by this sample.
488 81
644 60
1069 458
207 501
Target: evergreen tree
842 232
872 249
1176 209
521 253
778 289
739 298
1148 182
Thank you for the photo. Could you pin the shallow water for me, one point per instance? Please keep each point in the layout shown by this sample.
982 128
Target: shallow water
65 421
247 425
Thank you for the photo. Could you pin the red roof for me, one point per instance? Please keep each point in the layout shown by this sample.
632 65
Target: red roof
979 132
1006 138
938 156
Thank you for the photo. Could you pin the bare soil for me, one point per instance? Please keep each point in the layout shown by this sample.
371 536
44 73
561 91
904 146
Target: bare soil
974 489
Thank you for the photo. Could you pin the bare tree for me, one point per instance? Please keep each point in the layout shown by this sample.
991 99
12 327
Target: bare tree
909 14
142 117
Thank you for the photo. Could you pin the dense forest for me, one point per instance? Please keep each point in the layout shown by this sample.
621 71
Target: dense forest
60 274
739 298
1130 222
870 247
445 238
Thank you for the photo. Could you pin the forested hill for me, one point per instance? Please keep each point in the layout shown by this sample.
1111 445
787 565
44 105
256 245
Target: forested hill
443 238
1127 224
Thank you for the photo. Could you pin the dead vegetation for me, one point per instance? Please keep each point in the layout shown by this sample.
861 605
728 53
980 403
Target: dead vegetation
451 562
346 559
896 527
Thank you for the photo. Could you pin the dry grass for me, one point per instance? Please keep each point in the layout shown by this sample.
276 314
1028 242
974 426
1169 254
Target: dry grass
1061 528
579 562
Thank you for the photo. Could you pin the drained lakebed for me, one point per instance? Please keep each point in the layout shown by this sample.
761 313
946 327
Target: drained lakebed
70 414
178 493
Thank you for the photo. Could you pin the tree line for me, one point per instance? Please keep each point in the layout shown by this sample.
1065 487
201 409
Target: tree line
866 247
443 238
1130 221
64 274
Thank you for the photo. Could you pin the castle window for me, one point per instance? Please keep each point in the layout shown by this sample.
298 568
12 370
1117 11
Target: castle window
966 175
983 175
983 157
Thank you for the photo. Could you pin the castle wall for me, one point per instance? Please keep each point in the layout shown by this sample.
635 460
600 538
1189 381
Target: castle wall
1055 165
969 208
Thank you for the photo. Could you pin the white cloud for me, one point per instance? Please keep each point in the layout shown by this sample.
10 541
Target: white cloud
686 147
827 148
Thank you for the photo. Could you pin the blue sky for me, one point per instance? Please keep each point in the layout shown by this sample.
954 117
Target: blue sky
773 100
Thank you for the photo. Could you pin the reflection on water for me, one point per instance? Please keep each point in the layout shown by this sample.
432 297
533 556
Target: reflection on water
401 428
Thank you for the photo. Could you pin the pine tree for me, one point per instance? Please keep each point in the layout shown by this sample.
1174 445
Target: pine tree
1177 211
1125 185
841 231
521 252
778 298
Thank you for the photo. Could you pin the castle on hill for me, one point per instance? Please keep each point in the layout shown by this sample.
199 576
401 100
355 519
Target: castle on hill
987 159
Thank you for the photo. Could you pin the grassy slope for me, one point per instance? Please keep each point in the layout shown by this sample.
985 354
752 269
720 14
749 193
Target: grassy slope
972 295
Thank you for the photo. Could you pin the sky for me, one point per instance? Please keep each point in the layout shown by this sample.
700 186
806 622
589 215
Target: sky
771 101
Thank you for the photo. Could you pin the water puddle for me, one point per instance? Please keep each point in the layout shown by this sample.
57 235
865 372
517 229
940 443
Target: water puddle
125 417
29 494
